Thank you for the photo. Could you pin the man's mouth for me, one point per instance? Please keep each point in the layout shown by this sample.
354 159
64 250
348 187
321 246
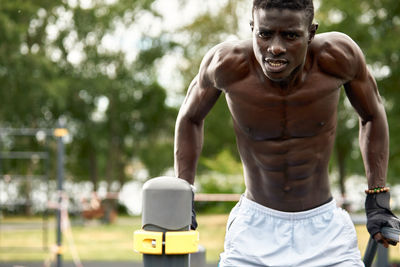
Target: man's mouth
275 65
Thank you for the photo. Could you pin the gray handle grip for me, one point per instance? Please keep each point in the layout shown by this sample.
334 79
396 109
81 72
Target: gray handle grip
389 233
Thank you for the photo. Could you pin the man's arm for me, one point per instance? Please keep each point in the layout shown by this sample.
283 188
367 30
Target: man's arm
224 64
200 98
363 94
342 57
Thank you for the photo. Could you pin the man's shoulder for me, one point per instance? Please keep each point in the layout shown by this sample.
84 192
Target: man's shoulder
227 62
337 54
232 48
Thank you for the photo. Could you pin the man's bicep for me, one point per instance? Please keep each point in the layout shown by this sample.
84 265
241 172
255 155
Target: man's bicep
363 94
199 100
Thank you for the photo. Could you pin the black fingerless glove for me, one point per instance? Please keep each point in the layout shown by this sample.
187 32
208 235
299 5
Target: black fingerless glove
193 226
379 214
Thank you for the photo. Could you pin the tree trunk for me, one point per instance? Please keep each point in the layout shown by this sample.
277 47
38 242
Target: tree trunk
121 174
93 170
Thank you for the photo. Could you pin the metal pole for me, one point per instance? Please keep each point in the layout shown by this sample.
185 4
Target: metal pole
382 257
46 211
198 259
383 253
370 252
1 189
60 178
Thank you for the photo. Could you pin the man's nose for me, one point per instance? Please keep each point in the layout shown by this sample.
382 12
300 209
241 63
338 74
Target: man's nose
276 48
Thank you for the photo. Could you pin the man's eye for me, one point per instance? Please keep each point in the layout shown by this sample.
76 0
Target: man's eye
291 36
264 34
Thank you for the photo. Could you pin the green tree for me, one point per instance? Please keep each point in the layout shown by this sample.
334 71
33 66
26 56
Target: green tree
54 65
375 26
27 76
136 123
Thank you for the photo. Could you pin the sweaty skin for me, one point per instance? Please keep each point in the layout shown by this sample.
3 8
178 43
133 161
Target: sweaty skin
282 89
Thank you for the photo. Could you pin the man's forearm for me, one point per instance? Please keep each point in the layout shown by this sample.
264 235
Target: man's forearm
374 144
188 146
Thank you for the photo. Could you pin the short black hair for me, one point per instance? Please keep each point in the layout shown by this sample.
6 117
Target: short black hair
306 5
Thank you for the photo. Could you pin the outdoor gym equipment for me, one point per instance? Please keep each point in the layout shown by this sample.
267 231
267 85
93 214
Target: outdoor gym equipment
58 133
390 233
166 239
39 156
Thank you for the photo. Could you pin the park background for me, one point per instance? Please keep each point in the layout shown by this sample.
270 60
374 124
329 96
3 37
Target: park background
114 73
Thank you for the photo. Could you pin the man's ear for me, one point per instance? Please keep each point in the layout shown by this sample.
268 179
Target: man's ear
251 25
312 31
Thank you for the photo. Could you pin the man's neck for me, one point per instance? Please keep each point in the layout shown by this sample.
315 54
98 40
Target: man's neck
291 82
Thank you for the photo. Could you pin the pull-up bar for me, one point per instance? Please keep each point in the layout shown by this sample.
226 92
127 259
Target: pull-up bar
59 133
26 131
24 155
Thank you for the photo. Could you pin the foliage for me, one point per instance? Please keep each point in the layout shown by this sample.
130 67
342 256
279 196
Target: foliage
54 65
223 163
225 177
375 27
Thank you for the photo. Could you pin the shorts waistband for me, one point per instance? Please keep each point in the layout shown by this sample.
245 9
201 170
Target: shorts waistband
249 204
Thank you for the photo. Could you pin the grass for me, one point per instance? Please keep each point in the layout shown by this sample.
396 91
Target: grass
93 241
99 242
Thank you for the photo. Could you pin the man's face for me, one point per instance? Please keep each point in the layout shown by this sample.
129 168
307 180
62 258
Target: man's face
280 41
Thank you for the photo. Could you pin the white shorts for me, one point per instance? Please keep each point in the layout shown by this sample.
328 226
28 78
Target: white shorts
260 236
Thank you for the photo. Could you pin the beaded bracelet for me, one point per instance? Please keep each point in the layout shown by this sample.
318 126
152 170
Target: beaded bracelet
377 190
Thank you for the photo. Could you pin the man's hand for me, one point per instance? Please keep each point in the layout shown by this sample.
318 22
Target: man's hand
384 241
379 215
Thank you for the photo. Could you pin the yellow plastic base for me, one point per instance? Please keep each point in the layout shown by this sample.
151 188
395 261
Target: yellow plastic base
147 242
179 242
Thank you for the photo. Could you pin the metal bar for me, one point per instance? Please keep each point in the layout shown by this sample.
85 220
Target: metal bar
382 257
21 249
36 132
26 131
217 197
45 240
1 210
383 253
370 252
60 177
24 155
18 176
1 204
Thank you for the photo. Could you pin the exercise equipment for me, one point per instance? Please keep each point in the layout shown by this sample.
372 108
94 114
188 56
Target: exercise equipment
165 239
58 133
390 233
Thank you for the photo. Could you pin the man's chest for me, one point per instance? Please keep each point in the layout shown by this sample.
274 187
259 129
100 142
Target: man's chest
268 113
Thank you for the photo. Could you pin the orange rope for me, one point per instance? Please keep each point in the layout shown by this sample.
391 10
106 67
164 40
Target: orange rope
217 197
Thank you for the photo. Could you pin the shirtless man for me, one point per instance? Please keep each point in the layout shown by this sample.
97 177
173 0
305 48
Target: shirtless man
282 89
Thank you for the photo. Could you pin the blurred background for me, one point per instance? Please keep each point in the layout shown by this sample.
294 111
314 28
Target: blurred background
115 72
